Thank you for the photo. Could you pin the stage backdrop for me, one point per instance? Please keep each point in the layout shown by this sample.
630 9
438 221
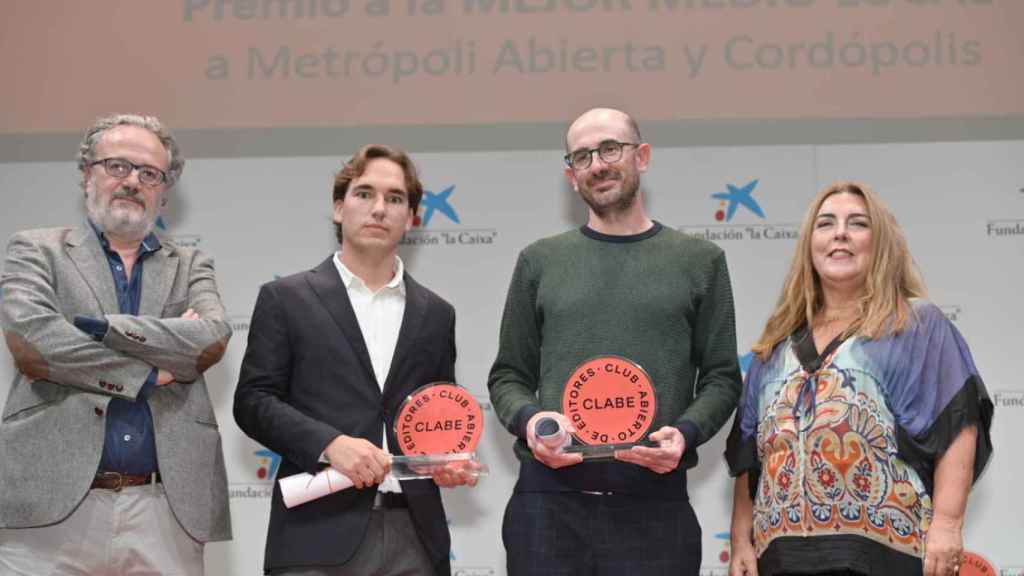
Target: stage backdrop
506 74
354 62
962 205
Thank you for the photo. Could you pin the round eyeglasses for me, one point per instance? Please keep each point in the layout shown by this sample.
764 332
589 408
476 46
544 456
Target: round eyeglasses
120 168
609 151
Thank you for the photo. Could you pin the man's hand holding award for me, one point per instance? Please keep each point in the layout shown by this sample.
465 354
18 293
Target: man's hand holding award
438 428
608 406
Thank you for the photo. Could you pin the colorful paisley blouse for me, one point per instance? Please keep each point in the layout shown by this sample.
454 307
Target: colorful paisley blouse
842 445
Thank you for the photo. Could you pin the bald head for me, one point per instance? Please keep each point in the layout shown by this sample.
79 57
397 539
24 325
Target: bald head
606 118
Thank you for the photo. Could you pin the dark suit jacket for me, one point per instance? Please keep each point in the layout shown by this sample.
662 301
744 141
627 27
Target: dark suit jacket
306 378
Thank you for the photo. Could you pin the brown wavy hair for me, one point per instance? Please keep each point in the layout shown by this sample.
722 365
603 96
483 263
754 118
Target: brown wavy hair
892 278
356 165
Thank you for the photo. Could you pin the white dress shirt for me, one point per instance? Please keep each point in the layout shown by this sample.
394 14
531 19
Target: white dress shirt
380 318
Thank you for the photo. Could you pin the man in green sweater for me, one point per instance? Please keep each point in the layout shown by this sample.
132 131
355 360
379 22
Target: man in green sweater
623 285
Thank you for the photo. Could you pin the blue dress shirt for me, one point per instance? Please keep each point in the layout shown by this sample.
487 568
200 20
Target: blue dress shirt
129 446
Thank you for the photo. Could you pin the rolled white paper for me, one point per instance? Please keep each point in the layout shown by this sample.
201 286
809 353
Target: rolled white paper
301 488
304 487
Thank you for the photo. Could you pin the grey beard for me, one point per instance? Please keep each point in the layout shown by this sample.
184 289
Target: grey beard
120 224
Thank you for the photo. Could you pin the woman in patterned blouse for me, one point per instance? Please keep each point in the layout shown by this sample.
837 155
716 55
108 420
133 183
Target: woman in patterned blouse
863 422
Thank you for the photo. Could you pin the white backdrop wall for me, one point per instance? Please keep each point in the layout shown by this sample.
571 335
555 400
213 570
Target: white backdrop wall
962 205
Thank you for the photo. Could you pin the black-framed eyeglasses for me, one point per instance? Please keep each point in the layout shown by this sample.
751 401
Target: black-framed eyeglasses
609 151
121 168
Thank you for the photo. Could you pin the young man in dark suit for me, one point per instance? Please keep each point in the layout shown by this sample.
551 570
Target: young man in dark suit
332 354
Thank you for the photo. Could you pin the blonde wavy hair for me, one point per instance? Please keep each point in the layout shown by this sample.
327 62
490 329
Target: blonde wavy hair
892 278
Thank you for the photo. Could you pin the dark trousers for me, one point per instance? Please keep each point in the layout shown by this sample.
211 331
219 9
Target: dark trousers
582 534
391 547
833 573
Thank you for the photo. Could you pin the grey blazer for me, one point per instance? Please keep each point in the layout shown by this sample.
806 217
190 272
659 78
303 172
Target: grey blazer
53 423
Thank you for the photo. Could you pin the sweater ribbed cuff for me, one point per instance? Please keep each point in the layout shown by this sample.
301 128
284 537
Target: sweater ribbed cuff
691 434
521 418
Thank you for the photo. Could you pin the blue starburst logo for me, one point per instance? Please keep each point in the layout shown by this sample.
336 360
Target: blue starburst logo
436 202
735 197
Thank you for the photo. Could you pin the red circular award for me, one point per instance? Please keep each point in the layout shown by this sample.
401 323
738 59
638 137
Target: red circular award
609 399
439 418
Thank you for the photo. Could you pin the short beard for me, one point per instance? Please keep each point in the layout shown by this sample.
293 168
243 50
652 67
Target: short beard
118 222
628 190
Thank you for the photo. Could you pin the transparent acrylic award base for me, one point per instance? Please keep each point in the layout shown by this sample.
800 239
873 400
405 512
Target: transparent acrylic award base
604 451
424 465
300 488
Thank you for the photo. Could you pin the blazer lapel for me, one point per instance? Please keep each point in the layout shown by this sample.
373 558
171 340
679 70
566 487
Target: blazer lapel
158 272
412 321
83 247
327 285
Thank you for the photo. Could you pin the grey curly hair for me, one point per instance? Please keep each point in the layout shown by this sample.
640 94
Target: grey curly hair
87 149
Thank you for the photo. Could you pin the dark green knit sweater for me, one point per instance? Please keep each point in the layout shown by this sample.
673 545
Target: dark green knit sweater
659 298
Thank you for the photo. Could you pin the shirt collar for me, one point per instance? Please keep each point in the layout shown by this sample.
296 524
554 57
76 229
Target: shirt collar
348 277
148 245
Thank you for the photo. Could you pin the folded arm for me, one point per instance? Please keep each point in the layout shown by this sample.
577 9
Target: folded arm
44 344
184 346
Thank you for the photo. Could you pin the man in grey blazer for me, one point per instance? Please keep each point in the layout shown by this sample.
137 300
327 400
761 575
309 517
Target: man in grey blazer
111 456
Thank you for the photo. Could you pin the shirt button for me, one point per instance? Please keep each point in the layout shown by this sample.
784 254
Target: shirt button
118 267
127 437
